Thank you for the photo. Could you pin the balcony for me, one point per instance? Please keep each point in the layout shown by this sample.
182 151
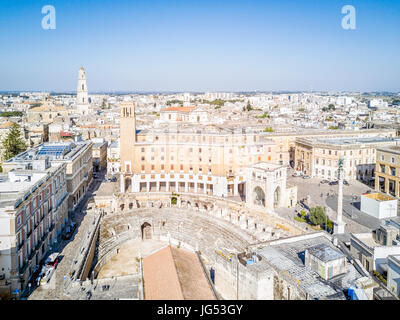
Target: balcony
21 245
44 236
23 268
31 255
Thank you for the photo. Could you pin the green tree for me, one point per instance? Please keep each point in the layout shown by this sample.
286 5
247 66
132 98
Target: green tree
14 143
249 107
318 216
268 129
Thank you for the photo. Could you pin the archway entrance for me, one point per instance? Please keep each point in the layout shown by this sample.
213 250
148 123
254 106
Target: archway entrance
277 197
128 183
146 231
259 197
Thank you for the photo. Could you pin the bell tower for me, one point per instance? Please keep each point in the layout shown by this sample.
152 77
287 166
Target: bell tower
82 100
127 143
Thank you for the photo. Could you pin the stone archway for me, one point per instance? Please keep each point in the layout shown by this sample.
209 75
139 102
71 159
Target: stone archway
146 231
277 197
259 196
128 184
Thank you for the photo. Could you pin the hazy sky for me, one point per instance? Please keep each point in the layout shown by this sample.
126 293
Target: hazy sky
200 45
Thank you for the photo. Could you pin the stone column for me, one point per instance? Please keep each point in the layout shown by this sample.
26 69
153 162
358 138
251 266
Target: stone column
186 186
205 187
167 186
236 189
122 183
148 186
158 186
387 185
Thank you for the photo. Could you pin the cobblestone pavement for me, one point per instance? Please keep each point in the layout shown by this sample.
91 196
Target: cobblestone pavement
54 290
358 222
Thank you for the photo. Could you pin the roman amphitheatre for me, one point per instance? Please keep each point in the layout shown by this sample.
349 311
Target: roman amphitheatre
166 245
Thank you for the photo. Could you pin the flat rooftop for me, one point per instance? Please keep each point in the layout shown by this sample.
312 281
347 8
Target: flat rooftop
54 151
325 253
355 141
266 166
390 149
288 260
379 197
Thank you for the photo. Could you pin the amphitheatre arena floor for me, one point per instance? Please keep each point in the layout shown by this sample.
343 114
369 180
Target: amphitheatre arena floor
124 262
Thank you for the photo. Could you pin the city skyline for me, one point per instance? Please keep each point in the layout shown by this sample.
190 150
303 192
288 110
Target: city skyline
193 46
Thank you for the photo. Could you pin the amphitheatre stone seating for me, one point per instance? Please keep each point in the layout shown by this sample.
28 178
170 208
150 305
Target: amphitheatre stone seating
199 229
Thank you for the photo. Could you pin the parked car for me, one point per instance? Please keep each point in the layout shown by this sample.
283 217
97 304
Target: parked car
306 177
114 179
324 181
345 183
333 183
69 231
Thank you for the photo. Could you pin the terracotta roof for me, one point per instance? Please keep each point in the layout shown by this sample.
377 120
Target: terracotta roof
175 274
179 109
160 278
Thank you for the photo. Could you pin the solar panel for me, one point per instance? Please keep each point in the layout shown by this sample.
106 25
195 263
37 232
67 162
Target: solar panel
53 150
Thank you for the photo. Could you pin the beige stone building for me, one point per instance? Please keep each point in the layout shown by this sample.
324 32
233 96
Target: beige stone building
319 157
387 174
33 212
79 165
46 113
188 158
99 156
286 141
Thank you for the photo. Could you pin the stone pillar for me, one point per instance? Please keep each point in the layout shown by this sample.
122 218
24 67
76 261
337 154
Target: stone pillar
235 189
177 186
186 186
339 225
377 177
158 186
387 185
205 188
195 187
167 186
122 183
148 186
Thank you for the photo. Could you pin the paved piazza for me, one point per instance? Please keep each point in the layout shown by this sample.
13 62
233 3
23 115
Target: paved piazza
356 221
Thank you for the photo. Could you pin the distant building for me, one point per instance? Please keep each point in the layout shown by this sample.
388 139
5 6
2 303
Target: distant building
388 170
99 155
319 157
113 158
